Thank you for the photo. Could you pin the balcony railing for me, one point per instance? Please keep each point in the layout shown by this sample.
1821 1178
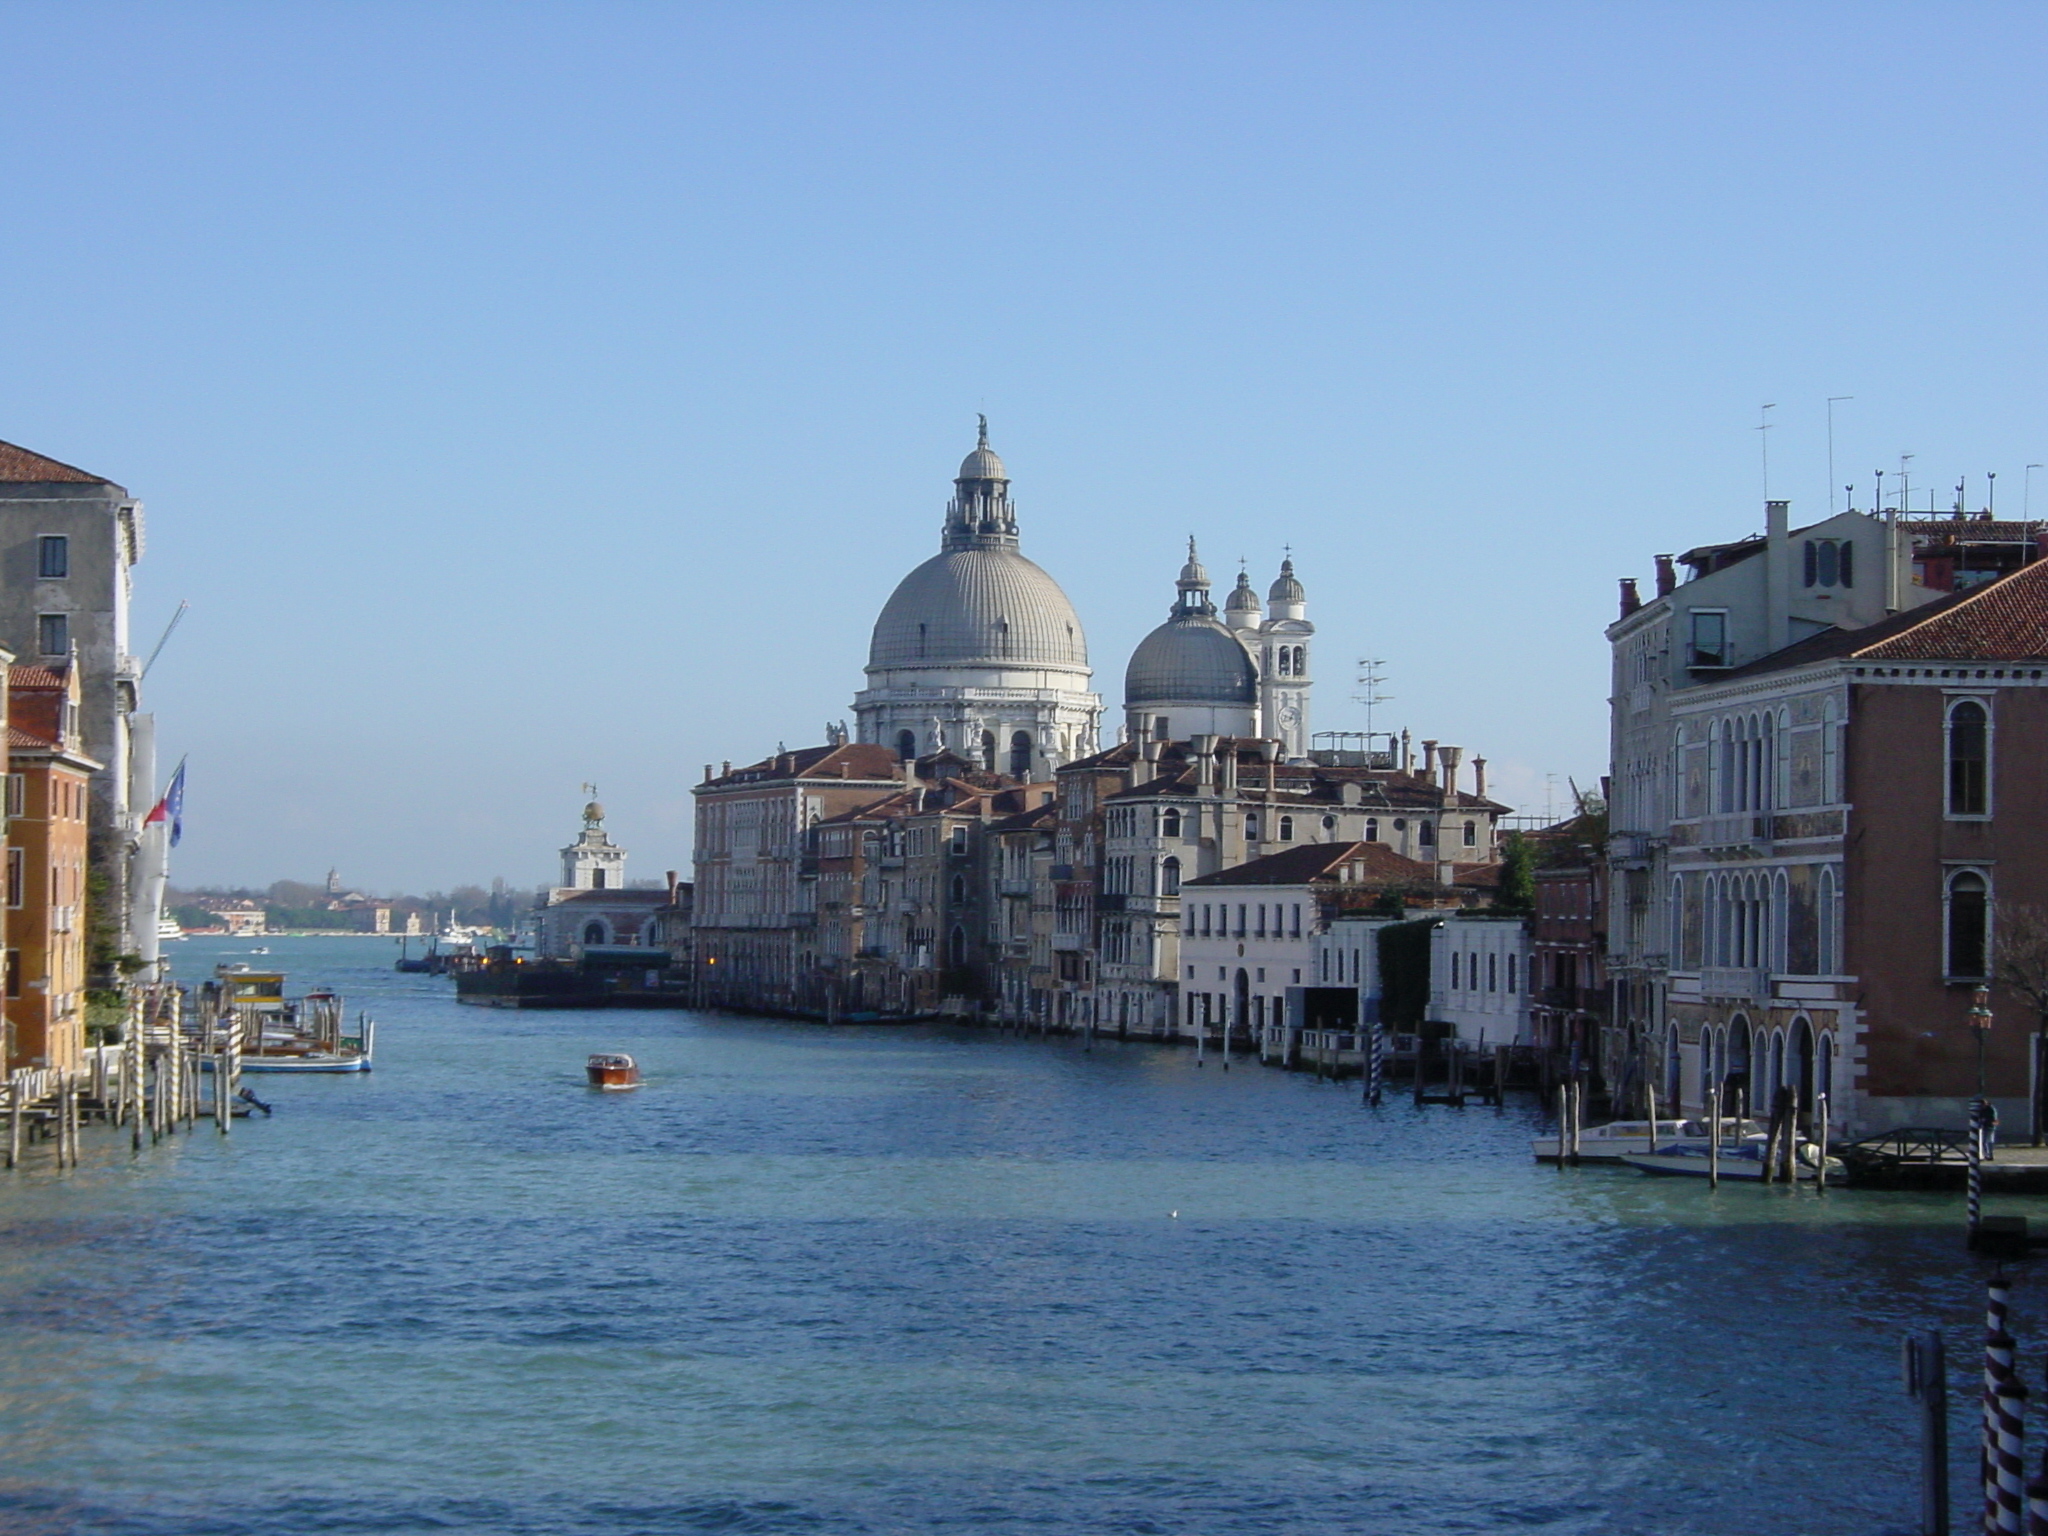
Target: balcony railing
1737 983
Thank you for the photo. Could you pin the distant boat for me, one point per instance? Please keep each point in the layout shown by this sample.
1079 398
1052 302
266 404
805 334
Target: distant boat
167 928
608 1069
260 949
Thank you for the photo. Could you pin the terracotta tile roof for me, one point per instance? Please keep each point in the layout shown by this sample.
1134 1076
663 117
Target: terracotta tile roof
28 740
1025 821
625 896
24 466
1375 863
857 759
29 674
2003 620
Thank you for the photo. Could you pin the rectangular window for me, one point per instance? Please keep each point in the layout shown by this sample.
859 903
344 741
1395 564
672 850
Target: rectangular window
14 973
17 795
1709 638
53 634
53 557
15 878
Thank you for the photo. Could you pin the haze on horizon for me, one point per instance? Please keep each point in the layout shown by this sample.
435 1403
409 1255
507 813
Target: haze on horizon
531 396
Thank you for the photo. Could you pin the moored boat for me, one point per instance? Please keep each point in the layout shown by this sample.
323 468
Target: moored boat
1612 1142
610 1069
1738 1160
275 1034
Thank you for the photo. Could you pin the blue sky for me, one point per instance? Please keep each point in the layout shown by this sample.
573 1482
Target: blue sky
532 394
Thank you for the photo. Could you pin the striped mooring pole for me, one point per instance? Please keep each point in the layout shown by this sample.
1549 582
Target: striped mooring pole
1975 1148
1375 1064
2005 1401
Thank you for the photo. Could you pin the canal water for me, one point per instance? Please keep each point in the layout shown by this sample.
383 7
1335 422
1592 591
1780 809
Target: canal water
923 1279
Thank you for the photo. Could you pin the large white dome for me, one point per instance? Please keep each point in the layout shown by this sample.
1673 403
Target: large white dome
979 606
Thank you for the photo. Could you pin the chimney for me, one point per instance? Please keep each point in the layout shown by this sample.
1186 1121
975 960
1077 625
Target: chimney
1479 777
1145 766
1407 752
707 773
725 768
1630 601
1443 871
1429 759
671 887
1450 757
1228 763
1203 749
1777 574
1667 576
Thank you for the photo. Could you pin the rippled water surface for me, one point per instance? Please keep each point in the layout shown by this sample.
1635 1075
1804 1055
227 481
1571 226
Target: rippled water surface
912 1279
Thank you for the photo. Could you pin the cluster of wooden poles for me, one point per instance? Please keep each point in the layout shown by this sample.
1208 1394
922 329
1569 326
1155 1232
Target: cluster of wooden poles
155 1081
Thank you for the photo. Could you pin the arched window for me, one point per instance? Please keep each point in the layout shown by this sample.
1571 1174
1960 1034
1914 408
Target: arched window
1492 971
959 890
1826 922
1969 759
1471 834
1020 755
1251 827
1426 834
1513 978
1969 925
593 933
906 745
1169 824
1454 970
1372 829
1286 829
957 946
1286 661
1169 877
988 751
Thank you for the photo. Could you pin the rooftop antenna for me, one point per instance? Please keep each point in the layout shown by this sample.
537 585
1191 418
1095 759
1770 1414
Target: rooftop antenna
1763 428
1906 485
1878 505
1832 399
2027 493
1550 790
165 641
1991 493
1370 682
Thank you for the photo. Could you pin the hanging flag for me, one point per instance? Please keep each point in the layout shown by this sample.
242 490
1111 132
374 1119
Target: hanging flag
172 807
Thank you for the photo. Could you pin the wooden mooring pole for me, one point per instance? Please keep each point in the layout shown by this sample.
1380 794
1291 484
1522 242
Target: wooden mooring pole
1926 1368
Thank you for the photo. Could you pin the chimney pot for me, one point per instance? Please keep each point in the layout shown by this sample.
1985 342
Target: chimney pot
1667 576
1479 777
1630 599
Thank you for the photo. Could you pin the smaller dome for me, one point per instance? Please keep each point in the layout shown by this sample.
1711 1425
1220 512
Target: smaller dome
1242 598
1286 589
1192 574
593 812
1190 659
982 464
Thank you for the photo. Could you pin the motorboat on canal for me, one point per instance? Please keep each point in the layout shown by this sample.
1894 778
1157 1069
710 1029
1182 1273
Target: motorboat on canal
1618 1139
1738 1160
611 1070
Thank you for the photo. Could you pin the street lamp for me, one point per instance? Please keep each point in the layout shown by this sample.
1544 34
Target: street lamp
1980 1024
